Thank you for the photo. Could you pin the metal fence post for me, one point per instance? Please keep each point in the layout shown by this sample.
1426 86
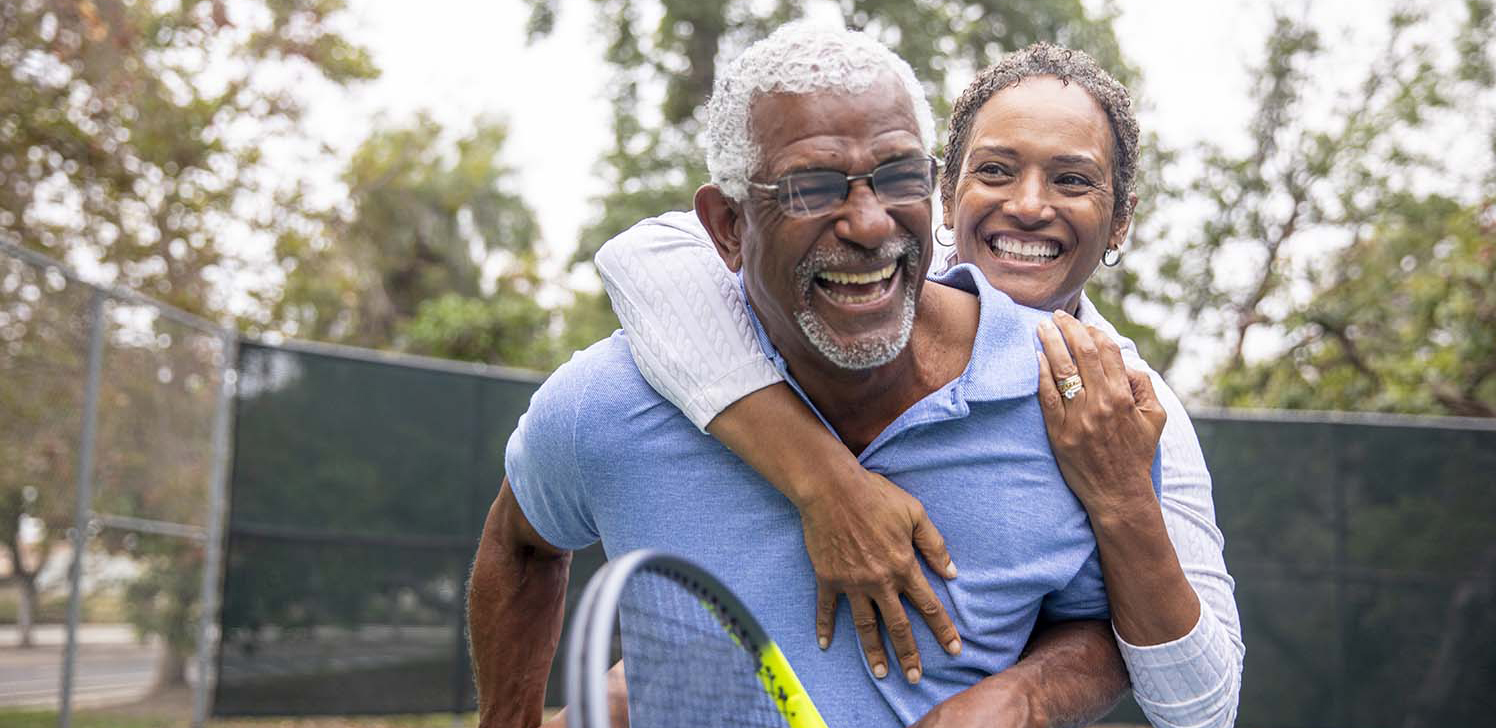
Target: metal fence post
213 548
82 514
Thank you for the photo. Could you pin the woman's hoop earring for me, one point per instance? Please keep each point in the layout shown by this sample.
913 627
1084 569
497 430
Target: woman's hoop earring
948 239
1111 258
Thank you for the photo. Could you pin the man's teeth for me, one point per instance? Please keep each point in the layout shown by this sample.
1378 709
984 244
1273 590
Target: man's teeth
1028 249
857 278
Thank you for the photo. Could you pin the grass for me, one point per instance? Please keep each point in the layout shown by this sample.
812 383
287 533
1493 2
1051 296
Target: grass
48 719
100 719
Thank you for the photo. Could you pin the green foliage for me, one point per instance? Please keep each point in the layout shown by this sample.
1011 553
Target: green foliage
1407 324
507 327
1331 238
589 319
163 601
424 215
123 133
403 266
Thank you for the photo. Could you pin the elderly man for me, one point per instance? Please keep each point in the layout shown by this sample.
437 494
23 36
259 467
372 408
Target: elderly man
821 200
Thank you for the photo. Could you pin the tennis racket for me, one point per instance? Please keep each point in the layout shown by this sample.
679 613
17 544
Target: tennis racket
695 655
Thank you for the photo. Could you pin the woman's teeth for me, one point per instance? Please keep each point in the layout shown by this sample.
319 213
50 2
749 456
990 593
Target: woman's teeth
1031 250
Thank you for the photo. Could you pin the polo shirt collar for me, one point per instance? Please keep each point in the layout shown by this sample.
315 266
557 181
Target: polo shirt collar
1003 361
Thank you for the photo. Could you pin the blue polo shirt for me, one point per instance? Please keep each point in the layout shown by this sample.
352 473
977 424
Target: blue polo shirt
601 455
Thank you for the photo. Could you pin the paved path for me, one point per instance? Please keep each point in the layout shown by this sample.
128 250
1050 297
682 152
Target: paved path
113 667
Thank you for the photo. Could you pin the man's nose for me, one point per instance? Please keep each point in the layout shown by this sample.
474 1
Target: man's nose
864 219
1029 204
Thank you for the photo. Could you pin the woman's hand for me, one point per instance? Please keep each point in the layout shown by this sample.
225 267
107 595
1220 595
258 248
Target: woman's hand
859 533
1105 436
1104 439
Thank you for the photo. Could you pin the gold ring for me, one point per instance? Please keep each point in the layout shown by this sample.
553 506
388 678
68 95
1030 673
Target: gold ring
1070 386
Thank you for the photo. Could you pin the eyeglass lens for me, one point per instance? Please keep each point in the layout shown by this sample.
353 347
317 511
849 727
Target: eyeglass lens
895 183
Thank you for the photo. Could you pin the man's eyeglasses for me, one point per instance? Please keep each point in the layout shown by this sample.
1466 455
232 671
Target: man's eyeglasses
803 194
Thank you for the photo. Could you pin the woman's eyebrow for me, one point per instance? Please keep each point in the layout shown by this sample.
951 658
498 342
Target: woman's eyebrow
1079 159
995 149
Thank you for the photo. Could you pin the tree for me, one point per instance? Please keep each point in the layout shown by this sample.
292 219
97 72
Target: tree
1368 259
124 141
425 215
41 359
129 145
404 265
1405 323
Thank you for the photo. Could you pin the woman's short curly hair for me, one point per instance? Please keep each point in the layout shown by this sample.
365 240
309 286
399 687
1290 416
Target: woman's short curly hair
1047 59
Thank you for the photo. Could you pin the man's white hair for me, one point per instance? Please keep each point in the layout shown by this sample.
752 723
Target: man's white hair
800 57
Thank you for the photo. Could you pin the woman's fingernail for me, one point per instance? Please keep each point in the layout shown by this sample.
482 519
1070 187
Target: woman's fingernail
879 671
950 570
954 646
825 643
912 674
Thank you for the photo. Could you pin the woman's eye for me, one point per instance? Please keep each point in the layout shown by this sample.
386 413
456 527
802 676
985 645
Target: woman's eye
991 169
1074 180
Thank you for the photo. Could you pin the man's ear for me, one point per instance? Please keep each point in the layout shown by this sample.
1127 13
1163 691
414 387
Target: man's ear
1120 225
723 219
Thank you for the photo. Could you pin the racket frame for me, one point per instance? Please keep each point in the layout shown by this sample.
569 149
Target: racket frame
588 647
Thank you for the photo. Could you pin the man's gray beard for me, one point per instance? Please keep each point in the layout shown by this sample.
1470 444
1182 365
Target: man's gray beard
865 352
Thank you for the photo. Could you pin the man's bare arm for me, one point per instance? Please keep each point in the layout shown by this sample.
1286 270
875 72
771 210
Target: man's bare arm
1071 674
515 600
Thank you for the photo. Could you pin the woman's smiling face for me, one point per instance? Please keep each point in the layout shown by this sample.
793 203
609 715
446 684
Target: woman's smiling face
1033 207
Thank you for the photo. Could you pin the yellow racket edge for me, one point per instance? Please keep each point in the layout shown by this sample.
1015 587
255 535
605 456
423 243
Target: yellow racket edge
780 682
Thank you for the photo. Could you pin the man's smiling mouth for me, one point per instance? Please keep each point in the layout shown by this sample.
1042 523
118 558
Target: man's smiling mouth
855 288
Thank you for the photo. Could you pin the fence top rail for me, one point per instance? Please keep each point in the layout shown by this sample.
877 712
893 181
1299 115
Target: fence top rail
193 321
1374 419
410 361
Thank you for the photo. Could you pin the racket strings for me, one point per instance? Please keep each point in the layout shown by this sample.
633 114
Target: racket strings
683 667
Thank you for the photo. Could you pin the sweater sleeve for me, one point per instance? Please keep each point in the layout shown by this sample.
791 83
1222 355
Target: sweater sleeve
683 312
1194 680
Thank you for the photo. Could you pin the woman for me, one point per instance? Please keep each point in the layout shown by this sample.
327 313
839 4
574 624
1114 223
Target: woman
1042 153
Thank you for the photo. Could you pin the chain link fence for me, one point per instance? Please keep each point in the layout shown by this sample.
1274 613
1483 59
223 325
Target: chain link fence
113 465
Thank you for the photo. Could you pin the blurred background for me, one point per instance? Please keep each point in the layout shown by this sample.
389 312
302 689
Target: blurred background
277 277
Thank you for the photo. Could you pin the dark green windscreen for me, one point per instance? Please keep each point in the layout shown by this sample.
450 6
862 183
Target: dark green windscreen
1364 555
359 491
1365 562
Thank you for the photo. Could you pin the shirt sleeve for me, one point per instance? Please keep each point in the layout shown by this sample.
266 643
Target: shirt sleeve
541 464
1196 679
682 308
1083 598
